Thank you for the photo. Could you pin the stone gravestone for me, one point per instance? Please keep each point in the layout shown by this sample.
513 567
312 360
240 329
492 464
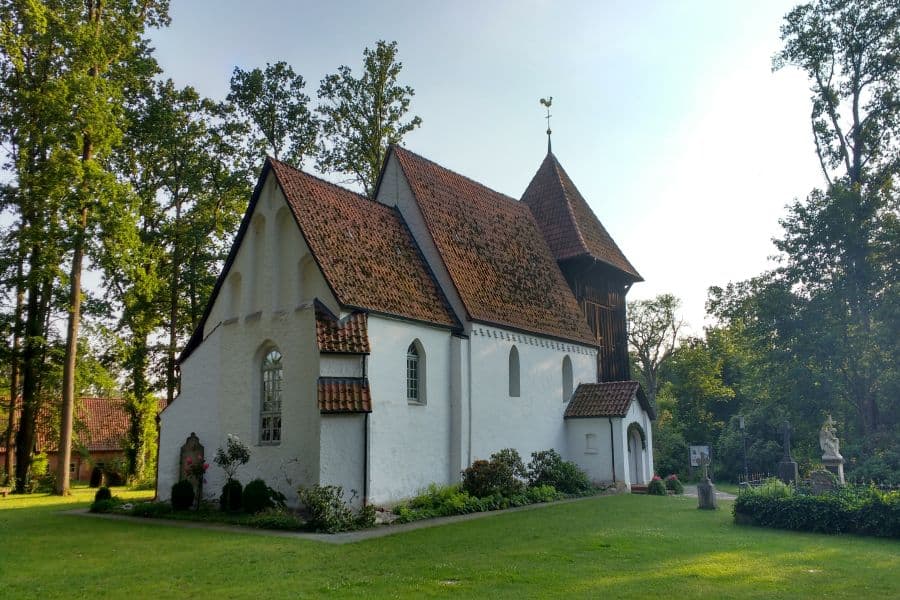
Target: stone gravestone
787 468
192 454
706 491
831 450
822 481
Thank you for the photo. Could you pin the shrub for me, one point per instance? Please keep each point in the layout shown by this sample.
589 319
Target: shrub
258 497
182 495
96 477
657 487
548 468
326 507
231 498
851 509
151 509
232 456
276 518
103 494
503 474
674 485
104 506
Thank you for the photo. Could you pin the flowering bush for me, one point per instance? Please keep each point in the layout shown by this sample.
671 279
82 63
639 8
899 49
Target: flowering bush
657 487
195 470
234 455
674 485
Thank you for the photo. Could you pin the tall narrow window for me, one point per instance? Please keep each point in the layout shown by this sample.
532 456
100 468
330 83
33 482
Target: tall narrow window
514 373
415 374
566 379
270 403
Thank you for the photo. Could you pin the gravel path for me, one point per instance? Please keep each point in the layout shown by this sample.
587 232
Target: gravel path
691 491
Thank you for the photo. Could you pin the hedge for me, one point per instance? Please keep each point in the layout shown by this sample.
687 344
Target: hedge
861 510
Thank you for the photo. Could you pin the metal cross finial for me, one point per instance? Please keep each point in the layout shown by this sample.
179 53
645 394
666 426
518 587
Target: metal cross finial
547 102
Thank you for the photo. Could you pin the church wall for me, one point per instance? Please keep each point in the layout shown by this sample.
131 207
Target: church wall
592 454
341 365
637 415
273 270
222 380
533 420
342 448
409 444
196 409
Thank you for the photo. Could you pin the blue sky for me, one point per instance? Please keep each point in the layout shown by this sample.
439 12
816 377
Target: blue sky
666 114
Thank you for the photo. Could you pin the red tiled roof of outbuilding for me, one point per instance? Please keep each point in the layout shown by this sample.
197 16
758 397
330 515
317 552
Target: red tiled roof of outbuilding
567 222
609 399
344 395
494 252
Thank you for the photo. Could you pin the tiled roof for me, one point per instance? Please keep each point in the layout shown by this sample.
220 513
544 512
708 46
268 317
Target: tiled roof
100 424
347 336
344 395
494 252
611 399
569 225
364 249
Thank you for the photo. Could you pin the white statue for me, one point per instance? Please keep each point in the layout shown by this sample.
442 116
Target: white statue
828 440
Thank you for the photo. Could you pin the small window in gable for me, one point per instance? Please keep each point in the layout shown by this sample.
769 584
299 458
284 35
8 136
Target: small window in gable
514 379
415 373
270 402
566 379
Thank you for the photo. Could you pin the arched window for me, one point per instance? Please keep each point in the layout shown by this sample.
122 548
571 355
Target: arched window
270 402
567 379
415 373
514 373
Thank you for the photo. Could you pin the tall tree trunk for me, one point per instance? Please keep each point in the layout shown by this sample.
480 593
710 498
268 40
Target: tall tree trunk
32 352
14 370
173 308
68 397
137 407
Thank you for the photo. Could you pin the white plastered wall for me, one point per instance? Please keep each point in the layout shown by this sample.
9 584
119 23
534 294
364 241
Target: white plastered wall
271 307
592 454
636 414
342 452
409 444
533 420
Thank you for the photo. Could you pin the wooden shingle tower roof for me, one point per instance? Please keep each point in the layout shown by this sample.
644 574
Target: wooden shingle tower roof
567 222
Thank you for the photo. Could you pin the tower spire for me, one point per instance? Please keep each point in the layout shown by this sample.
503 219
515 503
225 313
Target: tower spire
547 102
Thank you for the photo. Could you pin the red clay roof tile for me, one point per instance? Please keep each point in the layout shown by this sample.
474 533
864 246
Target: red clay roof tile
364 249
100 424
611 399
344 395
346 336
494 252
569 225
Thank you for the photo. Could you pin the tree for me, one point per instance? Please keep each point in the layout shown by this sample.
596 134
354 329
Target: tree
191 180
67 64
362 116
653 330
274 102
840 246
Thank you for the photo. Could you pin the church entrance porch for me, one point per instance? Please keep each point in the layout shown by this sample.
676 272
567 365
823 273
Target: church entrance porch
636 451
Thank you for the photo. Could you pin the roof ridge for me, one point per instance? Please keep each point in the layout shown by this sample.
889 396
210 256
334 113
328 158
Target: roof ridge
320 179
458 174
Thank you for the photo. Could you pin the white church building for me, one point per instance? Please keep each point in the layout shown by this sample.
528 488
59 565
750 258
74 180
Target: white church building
385 344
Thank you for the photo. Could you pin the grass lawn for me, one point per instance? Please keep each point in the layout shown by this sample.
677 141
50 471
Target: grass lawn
619 546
